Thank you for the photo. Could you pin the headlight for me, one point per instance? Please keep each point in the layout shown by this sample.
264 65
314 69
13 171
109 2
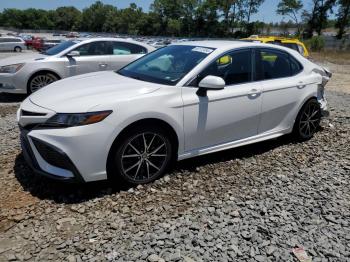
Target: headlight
11 69
76 119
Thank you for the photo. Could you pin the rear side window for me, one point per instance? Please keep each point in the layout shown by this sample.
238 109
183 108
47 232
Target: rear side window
9 40
234 67
122 48
272 64
291 46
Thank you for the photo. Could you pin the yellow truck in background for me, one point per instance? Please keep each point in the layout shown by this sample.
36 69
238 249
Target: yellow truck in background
292 43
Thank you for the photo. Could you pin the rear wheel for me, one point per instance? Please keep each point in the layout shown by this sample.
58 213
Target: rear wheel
40 80
17 49
143 155
308 120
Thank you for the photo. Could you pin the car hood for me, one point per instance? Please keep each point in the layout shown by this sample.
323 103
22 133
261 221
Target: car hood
82 93
23 58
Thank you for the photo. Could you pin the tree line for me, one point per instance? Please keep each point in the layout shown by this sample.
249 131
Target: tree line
188 18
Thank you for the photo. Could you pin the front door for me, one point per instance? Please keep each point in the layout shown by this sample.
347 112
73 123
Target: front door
227 115
93 57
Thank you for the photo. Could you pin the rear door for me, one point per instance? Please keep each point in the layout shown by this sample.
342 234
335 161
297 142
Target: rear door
93 57
123 53
283 86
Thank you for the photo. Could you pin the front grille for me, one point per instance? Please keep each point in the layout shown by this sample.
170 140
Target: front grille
28 113
52 155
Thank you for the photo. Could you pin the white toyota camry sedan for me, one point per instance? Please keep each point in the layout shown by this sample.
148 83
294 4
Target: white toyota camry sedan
27 73
177 102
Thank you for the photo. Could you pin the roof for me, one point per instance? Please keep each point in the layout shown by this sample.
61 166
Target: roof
217 43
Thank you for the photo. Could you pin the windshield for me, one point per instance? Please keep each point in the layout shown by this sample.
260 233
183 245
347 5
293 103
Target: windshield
59 48
166 65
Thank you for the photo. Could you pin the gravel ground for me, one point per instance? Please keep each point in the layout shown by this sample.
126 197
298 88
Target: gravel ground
253 203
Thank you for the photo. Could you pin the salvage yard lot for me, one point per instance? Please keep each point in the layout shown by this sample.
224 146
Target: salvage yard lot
253 203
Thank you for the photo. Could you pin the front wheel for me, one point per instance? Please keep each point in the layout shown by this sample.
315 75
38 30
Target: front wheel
40 80
308 120
143 155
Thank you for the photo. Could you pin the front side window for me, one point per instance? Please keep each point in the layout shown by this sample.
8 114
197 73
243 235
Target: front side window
167 65
94 49
60 47
234 67
272 64
122 48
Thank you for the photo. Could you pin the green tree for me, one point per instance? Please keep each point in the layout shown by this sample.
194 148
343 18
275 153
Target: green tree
94 17
291 8
343 17
12 18
316 20
67 18
251 7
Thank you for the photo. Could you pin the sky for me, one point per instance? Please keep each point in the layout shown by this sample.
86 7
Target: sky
267 11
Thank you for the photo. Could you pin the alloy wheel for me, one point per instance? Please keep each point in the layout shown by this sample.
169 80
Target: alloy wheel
144 156
309 120
40 81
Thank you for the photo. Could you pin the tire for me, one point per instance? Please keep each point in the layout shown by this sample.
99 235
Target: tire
142 155
40 80
308 120
17 49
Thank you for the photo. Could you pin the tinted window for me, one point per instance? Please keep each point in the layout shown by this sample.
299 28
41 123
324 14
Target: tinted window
10 40
291 46
121 48
166 65
60 47
95 49
234 68
271 64
295 66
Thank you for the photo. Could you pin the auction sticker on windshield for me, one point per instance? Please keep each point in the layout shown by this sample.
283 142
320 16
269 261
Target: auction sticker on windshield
202 50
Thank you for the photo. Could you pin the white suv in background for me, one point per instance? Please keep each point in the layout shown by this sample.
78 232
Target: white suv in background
13 44
29 72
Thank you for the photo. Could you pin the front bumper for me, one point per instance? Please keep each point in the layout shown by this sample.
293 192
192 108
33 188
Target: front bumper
42 157
12 83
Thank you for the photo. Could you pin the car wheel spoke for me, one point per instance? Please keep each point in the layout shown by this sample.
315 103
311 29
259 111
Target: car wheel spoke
133 166
158 148
131 156
134 148
150 143
153 165
138 169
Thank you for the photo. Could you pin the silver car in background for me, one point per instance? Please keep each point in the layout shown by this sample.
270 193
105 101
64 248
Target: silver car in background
13 44
29 72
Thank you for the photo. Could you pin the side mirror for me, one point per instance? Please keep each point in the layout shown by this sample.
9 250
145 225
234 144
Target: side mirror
73 53
212 83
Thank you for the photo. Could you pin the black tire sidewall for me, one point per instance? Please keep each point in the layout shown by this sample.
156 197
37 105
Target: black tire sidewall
18 48
117 170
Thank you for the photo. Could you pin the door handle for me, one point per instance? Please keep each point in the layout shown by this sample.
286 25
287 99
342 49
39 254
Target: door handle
301 85
254 92
103 64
